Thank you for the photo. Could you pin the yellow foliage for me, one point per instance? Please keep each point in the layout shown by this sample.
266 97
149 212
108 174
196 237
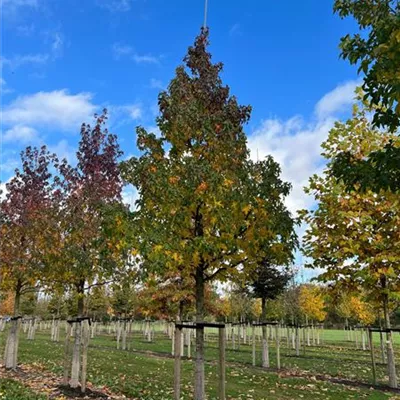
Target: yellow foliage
312 303
362 311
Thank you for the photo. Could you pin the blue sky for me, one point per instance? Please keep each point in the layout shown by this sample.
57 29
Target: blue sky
63 60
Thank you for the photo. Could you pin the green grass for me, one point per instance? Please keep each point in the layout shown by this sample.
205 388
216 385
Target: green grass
140 375
12 390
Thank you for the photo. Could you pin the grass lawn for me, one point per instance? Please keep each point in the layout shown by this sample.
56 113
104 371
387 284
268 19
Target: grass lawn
12 390
142 375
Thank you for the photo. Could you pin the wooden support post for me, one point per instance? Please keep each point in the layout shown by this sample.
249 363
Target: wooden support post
189 342
383 353
177 364
287 338
66 354
253 334
278 356
222 363
85 334
173 342
356 337
371 346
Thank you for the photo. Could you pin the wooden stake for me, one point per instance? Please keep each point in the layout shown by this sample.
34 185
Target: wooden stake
85 334
371 346
278 356
66 354
253 333
177 364
222 363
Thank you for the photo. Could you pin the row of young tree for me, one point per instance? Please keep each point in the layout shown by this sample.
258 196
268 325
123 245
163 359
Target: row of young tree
206 212
300 304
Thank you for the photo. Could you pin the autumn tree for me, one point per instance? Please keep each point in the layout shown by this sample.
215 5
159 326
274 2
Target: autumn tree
92 246
362 311
123 298
98 302
270 275
312 303
26 233
353 235
197 211
376 51
7 303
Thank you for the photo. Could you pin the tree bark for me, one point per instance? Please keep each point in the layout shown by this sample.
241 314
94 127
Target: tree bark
389 343
11 350
199 390
265 351
76 352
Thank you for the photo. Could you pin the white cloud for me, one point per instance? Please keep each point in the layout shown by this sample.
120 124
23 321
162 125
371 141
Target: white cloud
57 44
154 129
8 166
54 39
64 150
19 3
3 190
338 100
21 134
120 50
144 59
115 5
295 143
4 88
129 196
18 60
235 30
156 84
12 6
56 109
25 30
122 114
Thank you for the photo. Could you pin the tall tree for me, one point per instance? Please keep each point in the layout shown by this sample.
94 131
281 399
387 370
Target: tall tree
198 211
354 235
376 49
26 233
92 249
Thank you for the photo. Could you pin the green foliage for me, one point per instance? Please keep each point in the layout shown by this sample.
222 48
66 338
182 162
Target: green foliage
377 52
123 299
353 236
29 302
98 303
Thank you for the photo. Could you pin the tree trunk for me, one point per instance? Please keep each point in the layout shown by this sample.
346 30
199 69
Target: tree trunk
199 390
390 354
383 352
11 350
265 351
76 352
297 341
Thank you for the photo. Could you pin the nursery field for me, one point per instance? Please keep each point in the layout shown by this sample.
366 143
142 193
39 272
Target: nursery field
333 370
